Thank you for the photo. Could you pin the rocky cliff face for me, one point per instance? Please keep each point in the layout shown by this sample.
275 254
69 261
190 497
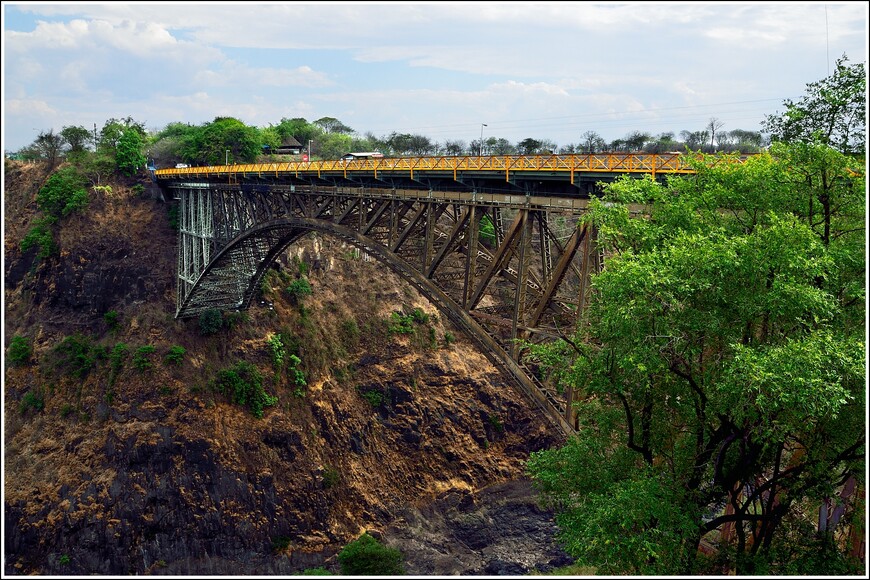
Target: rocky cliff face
120 461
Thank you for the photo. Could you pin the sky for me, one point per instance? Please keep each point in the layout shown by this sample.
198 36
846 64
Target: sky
446 70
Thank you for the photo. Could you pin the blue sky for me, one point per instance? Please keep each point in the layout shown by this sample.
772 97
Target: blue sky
547 70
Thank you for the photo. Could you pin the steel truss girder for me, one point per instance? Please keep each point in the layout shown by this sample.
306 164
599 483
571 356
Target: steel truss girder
527 281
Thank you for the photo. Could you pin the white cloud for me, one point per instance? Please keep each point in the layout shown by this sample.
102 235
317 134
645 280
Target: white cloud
535 89
420 67
29 108
235 73
142 39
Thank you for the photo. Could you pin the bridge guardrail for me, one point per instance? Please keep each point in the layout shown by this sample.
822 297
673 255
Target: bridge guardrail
653 163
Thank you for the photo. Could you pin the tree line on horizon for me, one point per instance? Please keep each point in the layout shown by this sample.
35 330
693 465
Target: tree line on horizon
230 140
227 139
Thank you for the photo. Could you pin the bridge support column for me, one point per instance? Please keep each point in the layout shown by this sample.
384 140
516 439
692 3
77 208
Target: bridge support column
195 233
570 413
587 253
471 259
524 252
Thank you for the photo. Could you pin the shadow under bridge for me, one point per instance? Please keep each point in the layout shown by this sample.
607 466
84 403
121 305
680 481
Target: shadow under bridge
503 268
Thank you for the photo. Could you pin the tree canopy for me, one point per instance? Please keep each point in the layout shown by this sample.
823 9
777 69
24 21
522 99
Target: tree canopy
832 112
720 369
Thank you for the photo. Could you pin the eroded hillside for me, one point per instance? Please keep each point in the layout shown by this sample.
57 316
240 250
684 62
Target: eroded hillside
122 455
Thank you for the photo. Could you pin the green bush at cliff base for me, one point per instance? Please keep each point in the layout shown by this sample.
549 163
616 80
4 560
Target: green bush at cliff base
365 556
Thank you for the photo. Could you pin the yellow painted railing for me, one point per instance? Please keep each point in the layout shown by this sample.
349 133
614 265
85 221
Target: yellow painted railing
495 164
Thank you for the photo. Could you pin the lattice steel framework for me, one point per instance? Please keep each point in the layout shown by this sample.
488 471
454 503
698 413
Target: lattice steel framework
503 267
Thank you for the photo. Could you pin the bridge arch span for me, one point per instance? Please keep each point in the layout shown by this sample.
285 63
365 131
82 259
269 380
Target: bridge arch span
501 266
222 280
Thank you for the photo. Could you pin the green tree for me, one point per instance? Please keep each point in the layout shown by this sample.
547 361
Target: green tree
400 143
528 146
114 129
128 153
175 142
333 145
487 230
592 142
227 137
721 363
636 140
46 147
96 166
63 193
41 236
499 146
746 141
454 147
298 128
76 138
832 112
695 140
270 137
332 125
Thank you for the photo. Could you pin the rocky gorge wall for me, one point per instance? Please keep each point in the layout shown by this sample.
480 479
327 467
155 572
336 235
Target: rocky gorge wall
145 468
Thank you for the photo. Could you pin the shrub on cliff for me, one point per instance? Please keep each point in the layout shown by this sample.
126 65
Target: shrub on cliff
63 193
19 352
243 384
366 556
210 321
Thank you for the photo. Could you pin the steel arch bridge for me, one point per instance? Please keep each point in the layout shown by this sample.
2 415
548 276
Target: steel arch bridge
495 243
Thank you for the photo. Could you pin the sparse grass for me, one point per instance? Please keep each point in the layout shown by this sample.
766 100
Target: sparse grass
116 358
578 570
32 400
77 354
301 266
401 323
350 333
278 351
331 477
111 320
374 397
234 319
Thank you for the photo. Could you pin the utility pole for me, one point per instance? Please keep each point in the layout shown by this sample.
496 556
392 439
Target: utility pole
227 159
480 144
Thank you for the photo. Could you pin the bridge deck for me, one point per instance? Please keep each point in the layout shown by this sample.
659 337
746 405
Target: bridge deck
506 166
